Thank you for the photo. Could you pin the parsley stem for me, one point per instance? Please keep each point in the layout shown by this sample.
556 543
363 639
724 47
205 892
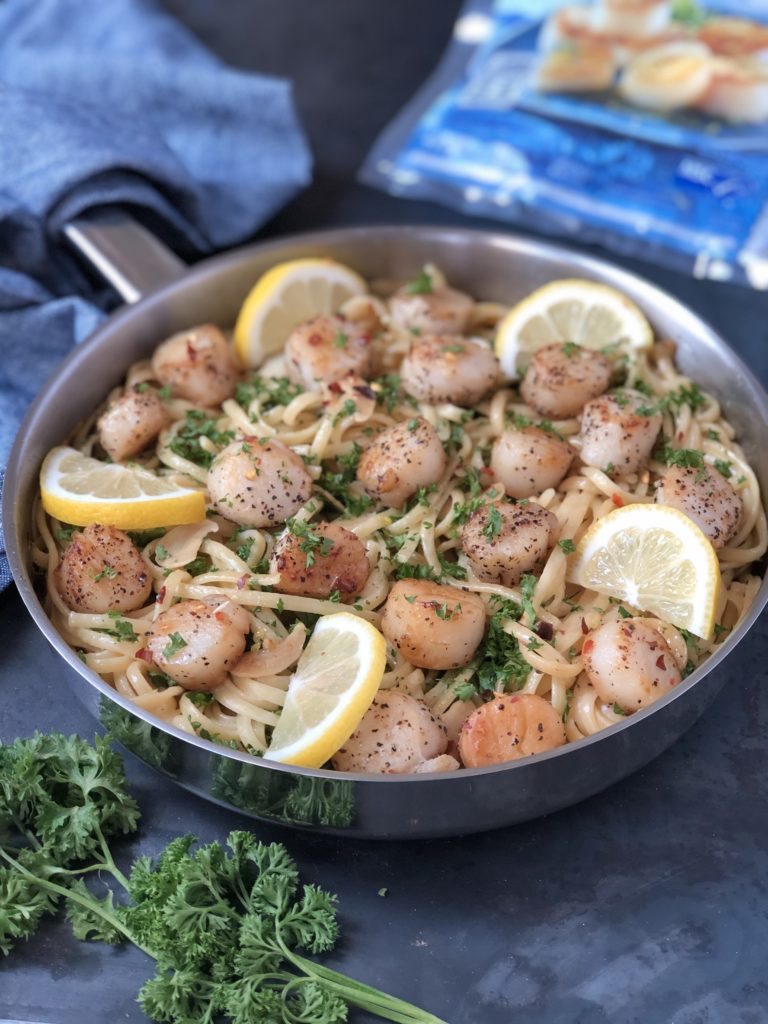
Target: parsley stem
109 861
75 897
362 995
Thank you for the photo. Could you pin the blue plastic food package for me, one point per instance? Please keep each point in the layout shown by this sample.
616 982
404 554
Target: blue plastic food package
638 124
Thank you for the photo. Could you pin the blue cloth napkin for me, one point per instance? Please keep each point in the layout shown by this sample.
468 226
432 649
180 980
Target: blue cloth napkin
115 103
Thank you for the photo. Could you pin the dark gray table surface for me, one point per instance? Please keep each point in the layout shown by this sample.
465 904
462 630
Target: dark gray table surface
645 904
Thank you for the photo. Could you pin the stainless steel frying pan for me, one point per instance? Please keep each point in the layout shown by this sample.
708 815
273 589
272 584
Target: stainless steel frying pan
163 297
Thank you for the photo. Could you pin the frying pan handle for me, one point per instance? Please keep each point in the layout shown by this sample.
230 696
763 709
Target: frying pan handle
123 252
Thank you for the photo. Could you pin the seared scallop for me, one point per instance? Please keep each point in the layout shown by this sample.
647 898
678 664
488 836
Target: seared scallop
102 570
397 734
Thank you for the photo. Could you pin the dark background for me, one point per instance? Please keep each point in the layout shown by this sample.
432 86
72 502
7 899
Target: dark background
644 905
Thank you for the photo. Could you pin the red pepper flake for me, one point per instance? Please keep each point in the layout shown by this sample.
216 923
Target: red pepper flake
241 582
617 500
144 654
587 646
584 627
191 352
335 387
161 595
315 339
660 663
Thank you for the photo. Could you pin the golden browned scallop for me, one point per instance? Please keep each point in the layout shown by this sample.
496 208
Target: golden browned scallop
328 558
325 349
706 497
445 368
131 423
561 379
258 482
504 541
432 311
509 727
433 625
197 642
618 432
198 365
529 460
400 460
102 570
396 735
629 663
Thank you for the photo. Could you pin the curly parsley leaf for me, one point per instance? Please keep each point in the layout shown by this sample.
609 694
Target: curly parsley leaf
186 442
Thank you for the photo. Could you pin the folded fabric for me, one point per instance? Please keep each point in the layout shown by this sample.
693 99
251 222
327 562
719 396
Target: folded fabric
116 104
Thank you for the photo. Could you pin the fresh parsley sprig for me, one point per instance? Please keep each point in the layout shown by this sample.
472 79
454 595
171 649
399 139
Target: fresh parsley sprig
227 925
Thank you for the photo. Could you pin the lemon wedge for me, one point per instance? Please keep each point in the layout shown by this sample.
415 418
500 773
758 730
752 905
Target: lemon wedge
656 559
80 490
285 296
590 314
336 679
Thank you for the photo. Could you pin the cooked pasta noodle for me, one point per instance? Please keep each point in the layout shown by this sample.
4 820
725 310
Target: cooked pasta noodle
329 429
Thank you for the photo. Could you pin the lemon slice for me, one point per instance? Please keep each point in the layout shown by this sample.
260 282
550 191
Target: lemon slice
80 490
285 296
590 314
656 559
335 681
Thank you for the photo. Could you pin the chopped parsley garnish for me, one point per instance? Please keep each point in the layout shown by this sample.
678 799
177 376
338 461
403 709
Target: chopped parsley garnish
165 393
685 458
421 285
348 408
724 467
243 549
107 572
65 533
527 588
570 348
442 611
388 391
566 546
493 523
341 339
454 349
337 482
161 552
200 698
143 537
534 644
186 442
310 542
618 710
413 424
122 629
199 565
176 643
721 630
643 388
500 665
160 680
691 396
270 392
623 613
620 398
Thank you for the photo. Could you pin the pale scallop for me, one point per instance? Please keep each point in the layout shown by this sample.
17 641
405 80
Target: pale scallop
667 77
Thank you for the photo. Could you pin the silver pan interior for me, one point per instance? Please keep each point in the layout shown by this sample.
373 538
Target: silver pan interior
489 266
